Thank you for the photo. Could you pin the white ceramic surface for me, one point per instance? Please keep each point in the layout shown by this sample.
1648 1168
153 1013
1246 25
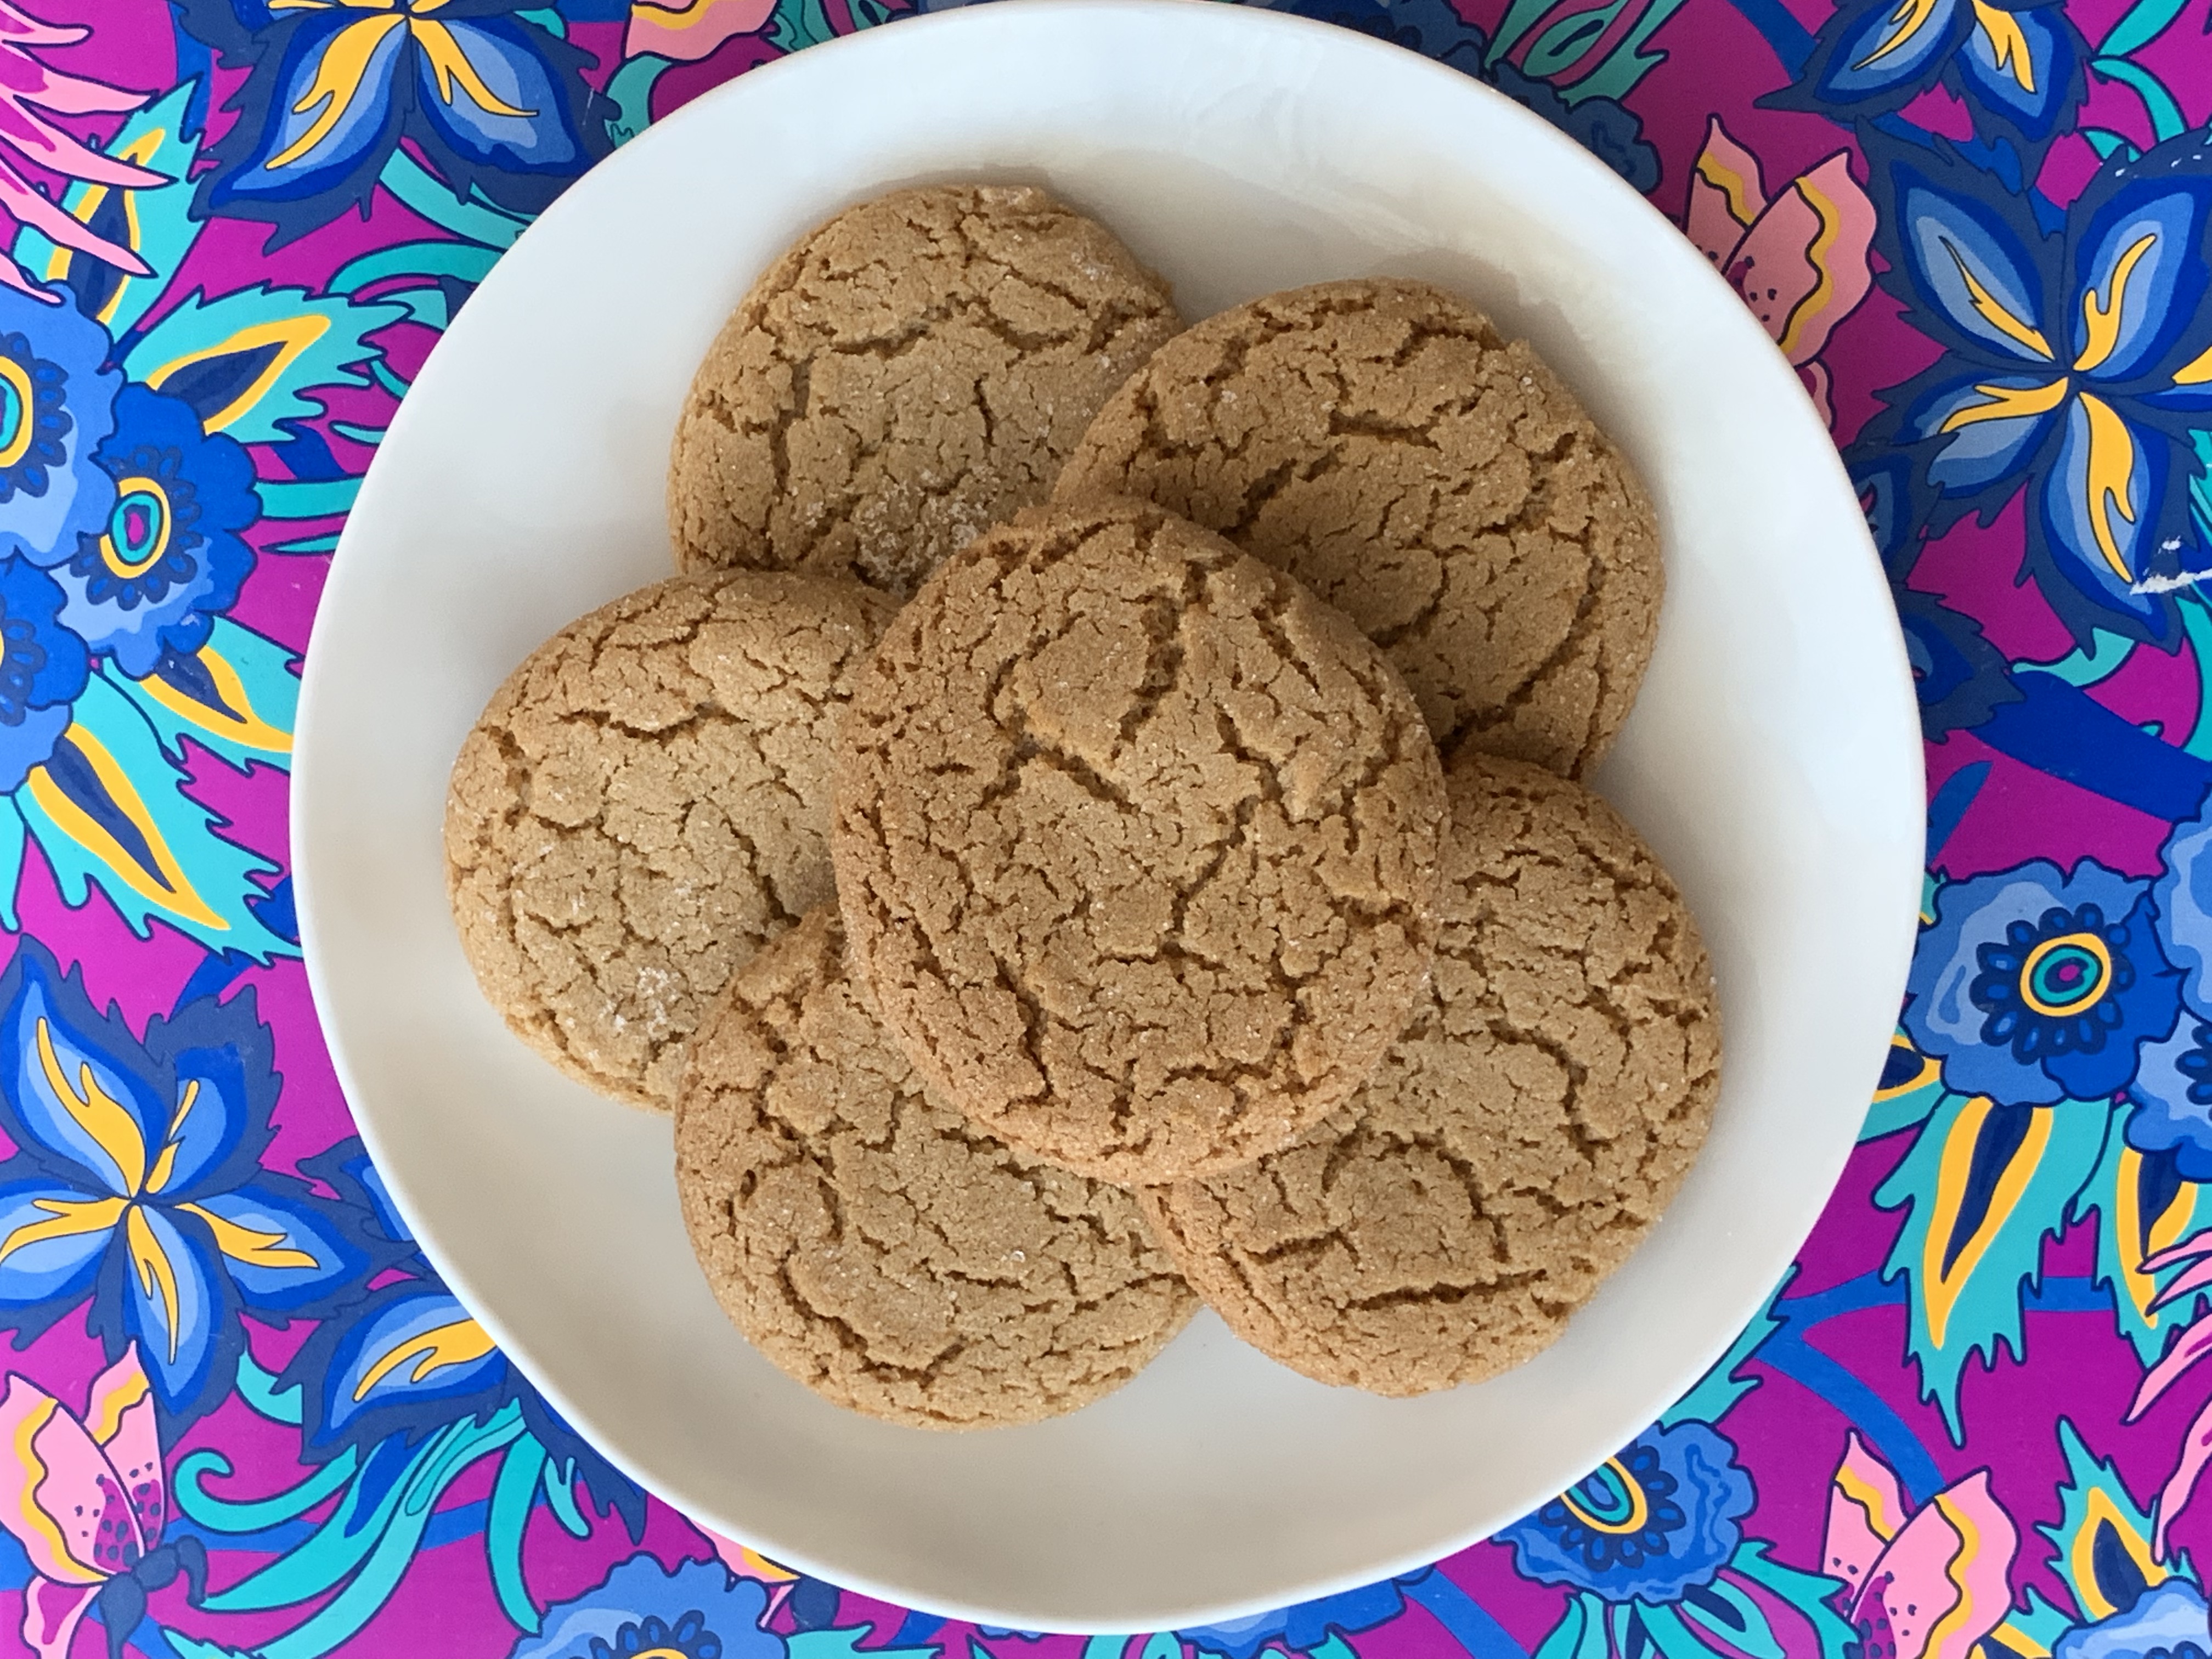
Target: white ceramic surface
1773 760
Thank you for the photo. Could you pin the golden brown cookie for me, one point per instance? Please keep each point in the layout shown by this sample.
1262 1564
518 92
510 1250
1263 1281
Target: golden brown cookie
876 1247
645 803
1519 1139
908 374
1385 445
1136 843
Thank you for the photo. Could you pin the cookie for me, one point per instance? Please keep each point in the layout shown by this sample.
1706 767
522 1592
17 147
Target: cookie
876 1245
1389 448
1519 1139
1136 843
644 803
908 374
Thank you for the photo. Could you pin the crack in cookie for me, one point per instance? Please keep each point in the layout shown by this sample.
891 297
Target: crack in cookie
1516 1143
877 1247
908 374
645 803
1136 843
1386 446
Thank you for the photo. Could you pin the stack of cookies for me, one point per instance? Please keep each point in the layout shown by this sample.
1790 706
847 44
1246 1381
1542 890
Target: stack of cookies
1094 827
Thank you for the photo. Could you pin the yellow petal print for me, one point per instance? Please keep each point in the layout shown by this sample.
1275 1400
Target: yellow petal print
337 79
98 1113
2006 403
441 1346
451 64
67 1217
1992 310
2103 320
165 884
2111 471
1910 18
2007 44
249 1245
166 1166
2197 371
157 1274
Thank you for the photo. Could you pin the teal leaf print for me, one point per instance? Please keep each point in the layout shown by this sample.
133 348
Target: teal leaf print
2101 1546
243 361
236 696
1983 1185
108 809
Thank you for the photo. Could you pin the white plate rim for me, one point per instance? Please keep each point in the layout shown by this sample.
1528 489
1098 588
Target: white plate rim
308 773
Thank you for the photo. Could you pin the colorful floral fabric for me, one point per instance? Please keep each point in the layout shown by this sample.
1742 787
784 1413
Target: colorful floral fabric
240 1415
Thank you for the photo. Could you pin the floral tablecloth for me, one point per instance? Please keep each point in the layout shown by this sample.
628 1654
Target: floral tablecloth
242 1416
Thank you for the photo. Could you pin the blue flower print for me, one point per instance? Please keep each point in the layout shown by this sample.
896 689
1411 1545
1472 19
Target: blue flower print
150 583
136 1184
407 1360
2167 1621
2017 66
57 402
406 1357
1302 1628
43 670
2034 987
2172 1093
2073 365
699 1610
1657 1521
2183 898
2171 1097
496 104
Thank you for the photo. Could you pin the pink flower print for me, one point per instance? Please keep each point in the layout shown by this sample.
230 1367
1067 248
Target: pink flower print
688 30
86 1499
29 94
1924 1584
1799 260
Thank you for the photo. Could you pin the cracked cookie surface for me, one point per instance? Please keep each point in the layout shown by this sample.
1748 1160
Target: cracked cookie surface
643 804
1518 1140
1381 441
1136 843
906 375
876 1245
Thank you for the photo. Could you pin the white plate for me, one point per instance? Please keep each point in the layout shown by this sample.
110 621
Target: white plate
1774 761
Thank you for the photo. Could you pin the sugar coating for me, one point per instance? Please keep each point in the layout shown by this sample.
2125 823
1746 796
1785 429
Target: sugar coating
906 376
645 803
1516 1143
876 1245
1381 441
1135 843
